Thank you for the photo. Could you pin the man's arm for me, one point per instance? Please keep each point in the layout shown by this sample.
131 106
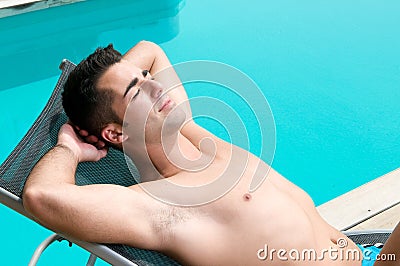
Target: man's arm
150 56
95 213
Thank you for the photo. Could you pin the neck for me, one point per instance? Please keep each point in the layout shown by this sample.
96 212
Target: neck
165 159
171 156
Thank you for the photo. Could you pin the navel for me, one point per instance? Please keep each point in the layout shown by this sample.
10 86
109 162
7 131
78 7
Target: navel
247 197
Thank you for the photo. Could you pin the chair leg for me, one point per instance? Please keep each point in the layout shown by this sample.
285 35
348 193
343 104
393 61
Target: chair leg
39 250
92 260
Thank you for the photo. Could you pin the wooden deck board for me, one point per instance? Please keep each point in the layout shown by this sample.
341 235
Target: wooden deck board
364 203
385 220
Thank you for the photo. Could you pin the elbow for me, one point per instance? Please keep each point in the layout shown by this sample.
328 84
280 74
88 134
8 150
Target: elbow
151 46
148 43
33 200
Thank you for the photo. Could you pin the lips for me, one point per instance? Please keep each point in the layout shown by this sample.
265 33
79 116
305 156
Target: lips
165 104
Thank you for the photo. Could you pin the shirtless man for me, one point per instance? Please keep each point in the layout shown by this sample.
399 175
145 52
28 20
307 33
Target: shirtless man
229 230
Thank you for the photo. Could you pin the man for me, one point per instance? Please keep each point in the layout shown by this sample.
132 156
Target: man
114 101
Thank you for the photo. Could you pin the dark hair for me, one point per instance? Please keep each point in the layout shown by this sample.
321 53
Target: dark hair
86 106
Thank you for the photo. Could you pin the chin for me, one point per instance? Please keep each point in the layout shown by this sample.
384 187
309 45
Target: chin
173 121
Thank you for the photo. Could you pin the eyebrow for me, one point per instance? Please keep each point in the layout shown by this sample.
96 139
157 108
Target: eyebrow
132 84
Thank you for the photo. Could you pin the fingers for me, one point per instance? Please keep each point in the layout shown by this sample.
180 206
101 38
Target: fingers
86 147
103 153
91 139
101 145
82 132
95 141
100 154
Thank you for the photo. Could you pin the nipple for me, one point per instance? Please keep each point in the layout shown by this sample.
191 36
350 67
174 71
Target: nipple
247 197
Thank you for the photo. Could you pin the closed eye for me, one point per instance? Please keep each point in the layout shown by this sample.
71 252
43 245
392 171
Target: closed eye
136 94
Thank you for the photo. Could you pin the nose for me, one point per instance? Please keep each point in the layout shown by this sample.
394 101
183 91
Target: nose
154 88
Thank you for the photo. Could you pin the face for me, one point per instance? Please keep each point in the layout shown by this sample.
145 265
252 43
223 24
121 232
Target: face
140 101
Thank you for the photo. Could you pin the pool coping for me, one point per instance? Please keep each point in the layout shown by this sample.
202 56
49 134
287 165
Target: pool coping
364 202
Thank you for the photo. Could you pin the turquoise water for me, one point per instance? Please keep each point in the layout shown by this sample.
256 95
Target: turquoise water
330 71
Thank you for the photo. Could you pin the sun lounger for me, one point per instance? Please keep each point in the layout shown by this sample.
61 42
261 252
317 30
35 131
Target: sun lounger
40 138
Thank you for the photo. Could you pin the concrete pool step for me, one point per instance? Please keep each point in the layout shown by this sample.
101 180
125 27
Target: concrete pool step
375 205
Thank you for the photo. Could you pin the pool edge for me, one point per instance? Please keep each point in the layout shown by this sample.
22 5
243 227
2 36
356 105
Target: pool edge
361 204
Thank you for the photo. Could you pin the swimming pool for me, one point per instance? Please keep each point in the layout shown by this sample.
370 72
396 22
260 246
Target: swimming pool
330 71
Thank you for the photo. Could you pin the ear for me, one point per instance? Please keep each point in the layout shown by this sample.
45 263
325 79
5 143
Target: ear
113 134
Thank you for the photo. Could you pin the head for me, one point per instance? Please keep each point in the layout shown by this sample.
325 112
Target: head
86 105
104 89
142 103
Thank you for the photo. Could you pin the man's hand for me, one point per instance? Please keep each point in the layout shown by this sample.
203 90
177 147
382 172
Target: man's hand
82 151
91 139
